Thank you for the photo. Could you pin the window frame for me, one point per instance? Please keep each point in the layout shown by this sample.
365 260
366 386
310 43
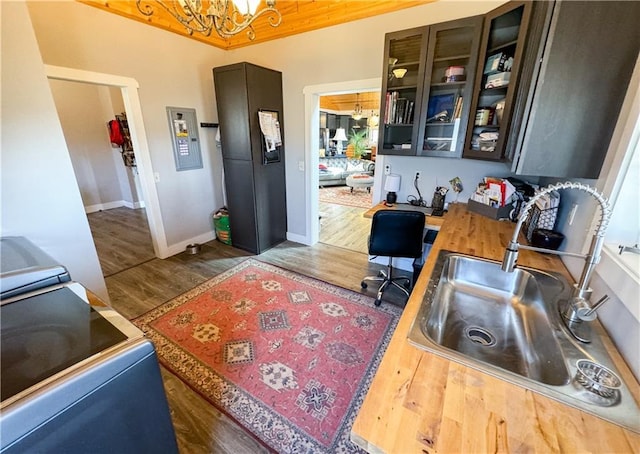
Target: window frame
613 270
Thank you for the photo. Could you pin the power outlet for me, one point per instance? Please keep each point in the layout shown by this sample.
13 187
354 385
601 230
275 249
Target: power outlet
387 169
417 175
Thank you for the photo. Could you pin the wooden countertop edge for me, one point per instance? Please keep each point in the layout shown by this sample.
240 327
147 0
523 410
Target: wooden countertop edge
421 402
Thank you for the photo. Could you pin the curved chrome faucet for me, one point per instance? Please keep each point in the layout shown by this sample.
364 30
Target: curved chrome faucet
577 309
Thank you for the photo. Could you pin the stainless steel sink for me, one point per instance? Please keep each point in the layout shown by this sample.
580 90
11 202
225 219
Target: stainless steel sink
508 325
497 318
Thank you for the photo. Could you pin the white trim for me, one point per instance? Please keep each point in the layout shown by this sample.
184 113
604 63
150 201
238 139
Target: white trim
622 281
134 205
312 95
103 206
180 247
297 238
624 140
129 89
110 205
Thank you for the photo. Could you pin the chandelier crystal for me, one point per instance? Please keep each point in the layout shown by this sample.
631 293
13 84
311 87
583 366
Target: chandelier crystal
357 111
226 17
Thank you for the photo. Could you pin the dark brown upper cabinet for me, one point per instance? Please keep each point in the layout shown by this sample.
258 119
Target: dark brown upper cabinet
452 56
545 83
572 63
580 57
428 75
405 55
496 79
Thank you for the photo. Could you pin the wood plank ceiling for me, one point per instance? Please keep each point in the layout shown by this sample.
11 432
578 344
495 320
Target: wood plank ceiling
368 101
298 16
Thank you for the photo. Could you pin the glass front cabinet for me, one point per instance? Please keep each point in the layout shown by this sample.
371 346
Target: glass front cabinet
403 75
451 63
516 85
496 81
428 75
450 89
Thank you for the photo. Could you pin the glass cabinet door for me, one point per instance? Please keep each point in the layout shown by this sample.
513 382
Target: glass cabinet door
496 81
403 75
451 65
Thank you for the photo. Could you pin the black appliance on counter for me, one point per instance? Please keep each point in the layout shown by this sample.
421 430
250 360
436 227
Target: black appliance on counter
254 175
76 378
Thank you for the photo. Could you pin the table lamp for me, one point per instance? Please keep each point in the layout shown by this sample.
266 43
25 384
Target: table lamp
339 137
392 185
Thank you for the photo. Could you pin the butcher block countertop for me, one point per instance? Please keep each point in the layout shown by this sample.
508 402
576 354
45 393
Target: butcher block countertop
420 402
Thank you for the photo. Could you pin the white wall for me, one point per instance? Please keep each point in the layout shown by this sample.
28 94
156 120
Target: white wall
40 197
98 167
176 71
172 71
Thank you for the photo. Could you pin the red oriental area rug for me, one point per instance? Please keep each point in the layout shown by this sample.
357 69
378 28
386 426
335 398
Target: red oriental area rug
287 356
342 195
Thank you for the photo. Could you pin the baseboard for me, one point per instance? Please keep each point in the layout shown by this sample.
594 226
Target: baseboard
103 206
134 205
111 205
180 247
302 239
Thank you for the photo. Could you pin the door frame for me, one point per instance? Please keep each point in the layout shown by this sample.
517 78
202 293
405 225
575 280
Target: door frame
129 89
312 95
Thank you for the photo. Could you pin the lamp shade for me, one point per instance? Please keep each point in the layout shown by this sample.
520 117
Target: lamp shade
340 135
392 183
246 6
399 72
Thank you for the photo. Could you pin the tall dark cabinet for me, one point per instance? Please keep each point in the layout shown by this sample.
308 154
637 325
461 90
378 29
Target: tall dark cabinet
254 179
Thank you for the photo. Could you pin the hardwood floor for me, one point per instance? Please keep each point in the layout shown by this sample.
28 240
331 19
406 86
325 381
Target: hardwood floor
344 227
199 426
116 251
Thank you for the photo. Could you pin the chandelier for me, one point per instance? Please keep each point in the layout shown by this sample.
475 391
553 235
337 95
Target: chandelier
227 17
357 111
374 119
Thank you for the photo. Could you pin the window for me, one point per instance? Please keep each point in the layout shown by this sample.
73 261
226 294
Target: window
621 272
624 229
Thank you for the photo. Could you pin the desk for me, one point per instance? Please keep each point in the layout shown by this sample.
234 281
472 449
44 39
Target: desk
433 222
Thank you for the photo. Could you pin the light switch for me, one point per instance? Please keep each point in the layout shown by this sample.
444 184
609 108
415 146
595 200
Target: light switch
301 166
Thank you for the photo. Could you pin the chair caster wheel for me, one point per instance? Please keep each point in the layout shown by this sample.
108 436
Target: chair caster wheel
377 302
363 284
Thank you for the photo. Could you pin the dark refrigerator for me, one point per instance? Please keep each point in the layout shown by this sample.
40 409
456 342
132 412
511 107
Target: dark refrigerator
254 171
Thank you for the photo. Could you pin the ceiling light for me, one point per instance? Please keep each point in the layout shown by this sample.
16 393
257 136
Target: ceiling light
357 111
226 17
399 72
374 119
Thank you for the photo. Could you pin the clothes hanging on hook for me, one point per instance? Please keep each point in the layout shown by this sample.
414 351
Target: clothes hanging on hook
115 133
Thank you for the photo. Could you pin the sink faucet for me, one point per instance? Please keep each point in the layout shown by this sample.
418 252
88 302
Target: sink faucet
578 308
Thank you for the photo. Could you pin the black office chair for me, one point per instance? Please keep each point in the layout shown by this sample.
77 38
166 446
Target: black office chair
394 233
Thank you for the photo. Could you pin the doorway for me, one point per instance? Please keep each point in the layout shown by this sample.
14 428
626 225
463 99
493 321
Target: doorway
129 90
342 203
312 96
102 158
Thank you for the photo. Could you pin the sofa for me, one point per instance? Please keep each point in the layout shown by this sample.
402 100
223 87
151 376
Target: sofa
334 170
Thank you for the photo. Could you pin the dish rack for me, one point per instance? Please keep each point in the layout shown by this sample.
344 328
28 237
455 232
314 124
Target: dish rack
540 219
